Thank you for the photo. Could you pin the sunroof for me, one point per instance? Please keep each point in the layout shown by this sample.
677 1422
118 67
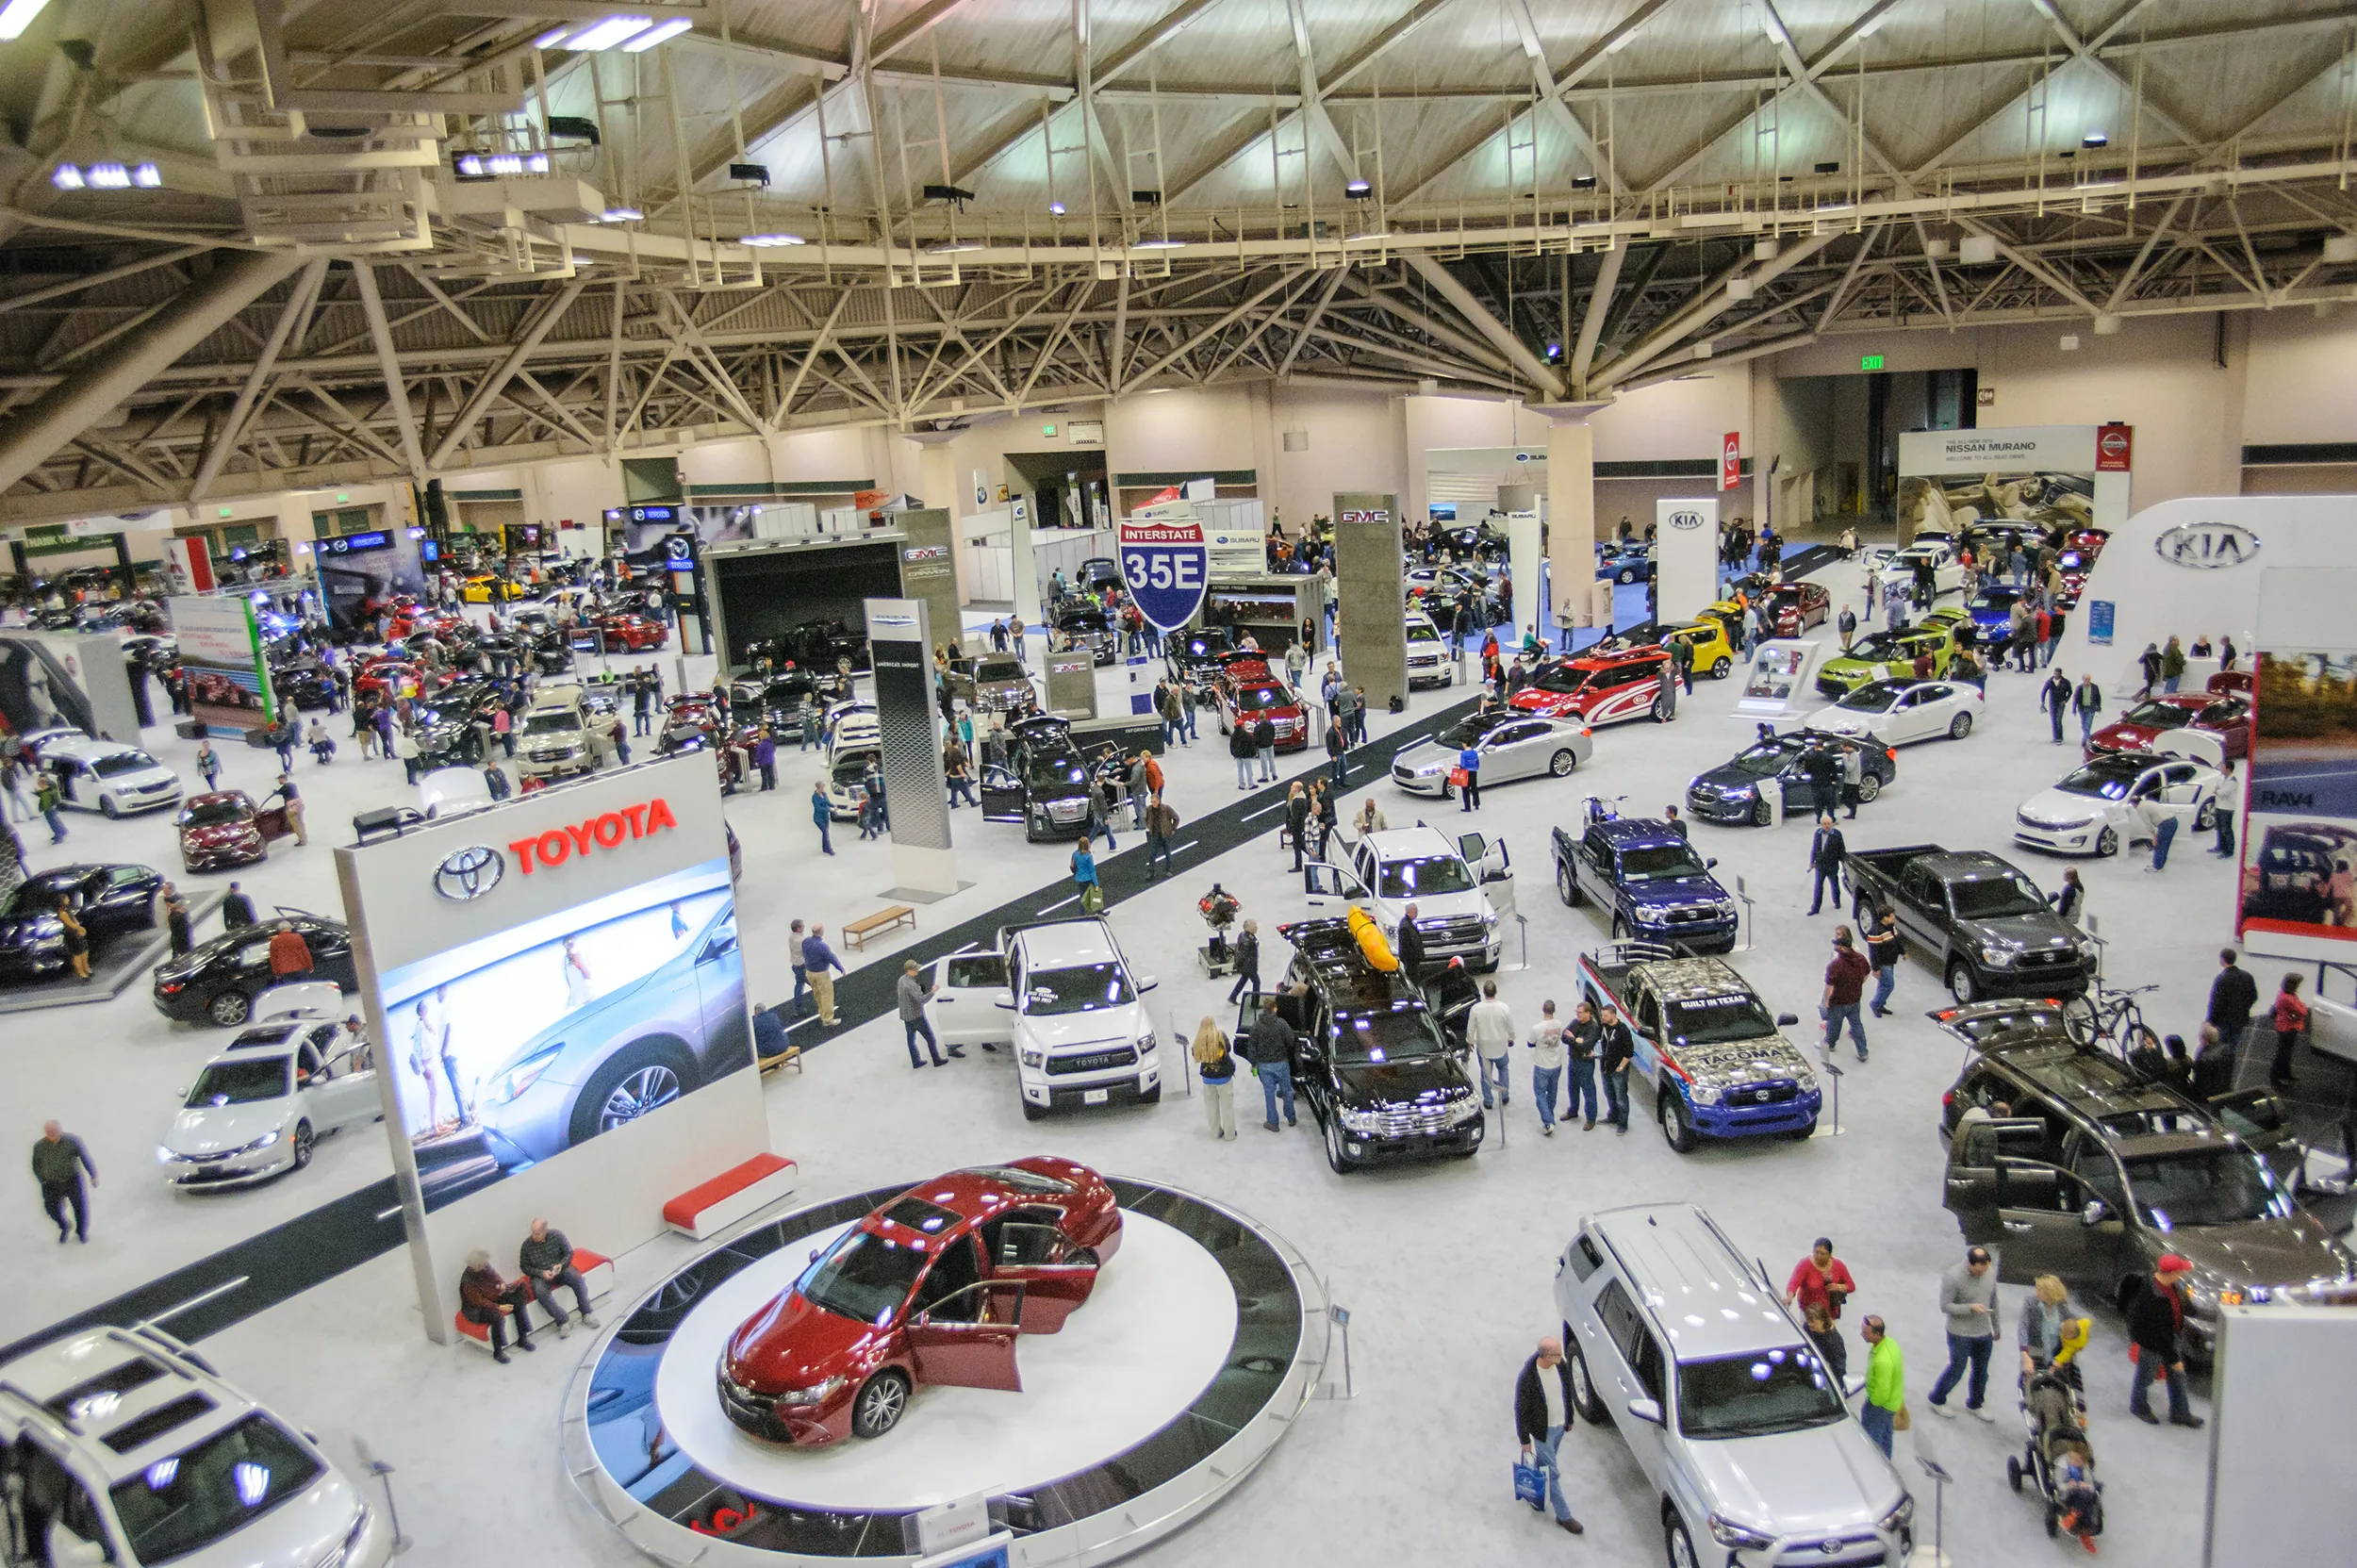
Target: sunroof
87 1400
137 1434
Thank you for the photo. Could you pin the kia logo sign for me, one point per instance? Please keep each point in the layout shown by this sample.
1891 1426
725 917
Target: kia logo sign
467 874
1686 519
2205 545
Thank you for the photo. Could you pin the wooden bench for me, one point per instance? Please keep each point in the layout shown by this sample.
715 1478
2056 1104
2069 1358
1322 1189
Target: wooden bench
790 1057
596 1272
859 931
714 1206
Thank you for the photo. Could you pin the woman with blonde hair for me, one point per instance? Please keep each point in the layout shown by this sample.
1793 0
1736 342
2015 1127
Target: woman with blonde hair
1216 1067
2044 1318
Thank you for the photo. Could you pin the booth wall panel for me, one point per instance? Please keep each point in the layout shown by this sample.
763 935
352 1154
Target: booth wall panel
763 592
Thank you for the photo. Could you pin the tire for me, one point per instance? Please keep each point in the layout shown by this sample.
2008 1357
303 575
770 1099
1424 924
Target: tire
1620 928
1567 886
1034 1112
1624 577
1763 815
108 808
1962 984
1869 786
1723 668
1562 764
641 1078
2205 820
1960 726
2053 1522
1675 1131
880 1403
2013 1471
229 1009
1676 1541
2078 1016
2107 843
304 1142
1662 711
1584 1395
1334 1149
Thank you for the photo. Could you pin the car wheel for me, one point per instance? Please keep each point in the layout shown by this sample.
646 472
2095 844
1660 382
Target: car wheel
881 1403
1620 928
1960 726
1763 815
1723 668
1334 1148
2205 820
1675 1130
229 1009
1153 1096
1869 786
1584 1395
2107 843
1034 1112
304 1142
1681 1547
106 806
1562 764
1566 885
627 1084
1961 983
1805 1133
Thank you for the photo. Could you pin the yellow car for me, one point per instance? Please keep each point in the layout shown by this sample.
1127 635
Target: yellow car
1887 657
487 589
1714 655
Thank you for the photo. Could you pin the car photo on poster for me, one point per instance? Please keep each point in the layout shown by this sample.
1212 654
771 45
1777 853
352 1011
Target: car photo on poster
517 1046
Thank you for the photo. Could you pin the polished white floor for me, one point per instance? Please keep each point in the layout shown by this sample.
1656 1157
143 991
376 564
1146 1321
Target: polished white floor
1446 1270
1154 1333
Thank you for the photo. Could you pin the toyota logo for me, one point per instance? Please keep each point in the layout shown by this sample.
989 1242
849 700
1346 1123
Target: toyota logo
1686 519
469 873
2203 546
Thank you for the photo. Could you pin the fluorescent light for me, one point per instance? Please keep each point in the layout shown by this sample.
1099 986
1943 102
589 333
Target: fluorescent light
67 177
769 241
953 247
613 31
1158 245
2094 140
550 39
1358 187
657 33
17 15
621 215
110 177
148 177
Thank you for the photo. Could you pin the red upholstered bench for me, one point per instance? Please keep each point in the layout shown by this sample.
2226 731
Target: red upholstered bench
596 1272
715 1205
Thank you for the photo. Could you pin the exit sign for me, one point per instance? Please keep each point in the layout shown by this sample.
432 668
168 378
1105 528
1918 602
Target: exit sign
1870 362
1048 430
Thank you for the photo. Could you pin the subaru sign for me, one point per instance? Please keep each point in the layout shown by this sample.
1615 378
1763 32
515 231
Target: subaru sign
1165 567
2204 546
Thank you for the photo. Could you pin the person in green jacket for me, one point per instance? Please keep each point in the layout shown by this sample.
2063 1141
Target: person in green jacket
1886 1384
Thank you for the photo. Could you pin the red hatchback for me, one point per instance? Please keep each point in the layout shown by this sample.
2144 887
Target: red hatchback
934 1287
634 633
1249 691
1799 606
2226 716
1598 688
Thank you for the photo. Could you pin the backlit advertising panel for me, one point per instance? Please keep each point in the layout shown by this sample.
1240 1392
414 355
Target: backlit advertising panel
220 659
2297 894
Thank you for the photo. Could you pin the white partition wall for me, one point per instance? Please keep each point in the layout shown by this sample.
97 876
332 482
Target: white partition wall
2286 1380
1685 556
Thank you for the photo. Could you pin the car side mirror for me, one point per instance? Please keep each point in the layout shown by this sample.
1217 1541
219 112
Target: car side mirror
1785 1020
1646 1409
1146 983
1003 998
1711 865
1854 1386
2096 1213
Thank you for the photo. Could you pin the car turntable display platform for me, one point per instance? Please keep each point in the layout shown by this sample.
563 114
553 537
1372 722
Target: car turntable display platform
1202 1341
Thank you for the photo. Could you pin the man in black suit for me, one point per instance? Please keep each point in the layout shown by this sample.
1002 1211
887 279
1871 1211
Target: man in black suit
1824 864
1410 943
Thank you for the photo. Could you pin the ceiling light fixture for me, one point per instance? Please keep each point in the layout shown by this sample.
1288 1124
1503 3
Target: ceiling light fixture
2095 139
110 177
1358 189
68 176
606 34
656 34
952 247
621 215
17 15
770 241
553 37
493 166
1056 207
1159 246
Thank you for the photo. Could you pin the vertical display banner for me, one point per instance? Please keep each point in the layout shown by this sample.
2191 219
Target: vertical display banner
558 1005
77 679
1371 622
1730 460
1685 556
1166 566
220 659
929 564
189 566
2298 892
916 791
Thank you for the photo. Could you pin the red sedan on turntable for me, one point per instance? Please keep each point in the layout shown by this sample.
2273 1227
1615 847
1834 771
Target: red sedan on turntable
1798 607
2225 715
390 678
1249 691
1598 688
932 1287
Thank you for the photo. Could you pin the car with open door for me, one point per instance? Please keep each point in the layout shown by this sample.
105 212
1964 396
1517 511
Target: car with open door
963 1008
1249 691
1769 776
1077 1011
257 1109
1889 656
931 1289
1429 661
1798 607
109 901
1463 890
225 829
1049 793
1601 688
217 982
2144 727
105 776
2111 801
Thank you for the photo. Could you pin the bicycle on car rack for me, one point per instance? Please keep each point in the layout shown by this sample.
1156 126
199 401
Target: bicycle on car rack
2111 1017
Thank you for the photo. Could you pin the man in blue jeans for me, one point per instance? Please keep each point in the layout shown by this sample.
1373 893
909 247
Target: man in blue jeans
1543 1408
1271 1058
1845 986
1614 1049
1967 1299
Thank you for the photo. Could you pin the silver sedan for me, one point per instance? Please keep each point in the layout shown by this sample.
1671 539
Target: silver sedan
1512 745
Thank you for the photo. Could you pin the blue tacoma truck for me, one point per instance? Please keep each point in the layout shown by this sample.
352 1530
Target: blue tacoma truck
1650 881
1716 1060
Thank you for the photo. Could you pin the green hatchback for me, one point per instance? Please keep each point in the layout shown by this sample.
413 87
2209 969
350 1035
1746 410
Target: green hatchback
1887 657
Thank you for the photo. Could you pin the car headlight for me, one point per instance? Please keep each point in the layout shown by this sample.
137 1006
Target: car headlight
1032 1057
1900 1517
511 1084
1705 1094
1145 1042
1996 957
261 1142
164 1156
1724 906
1735 1537
343 1550
818 1393
1459 1112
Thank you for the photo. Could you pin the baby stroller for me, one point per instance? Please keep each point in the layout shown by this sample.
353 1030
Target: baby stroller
2057 1455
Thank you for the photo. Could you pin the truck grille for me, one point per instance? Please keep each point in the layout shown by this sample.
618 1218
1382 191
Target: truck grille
1462 931
1690 914
1410 1124
1095 1062
1763 1093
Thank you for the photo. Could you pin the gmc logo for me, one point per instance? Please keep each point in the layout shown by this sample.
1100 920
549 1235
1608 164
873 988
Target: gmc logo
604 831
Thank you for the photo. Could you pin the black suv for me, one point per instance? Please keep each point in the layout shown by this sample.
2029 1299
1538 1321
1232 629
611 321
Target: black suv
1047 792
1383 1067
218 981
2067 1161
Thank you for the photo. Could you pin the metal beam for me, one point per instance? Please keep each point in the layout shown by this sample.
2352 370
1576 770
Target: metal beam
1591 323
1477 315
388 360
224 441
496 383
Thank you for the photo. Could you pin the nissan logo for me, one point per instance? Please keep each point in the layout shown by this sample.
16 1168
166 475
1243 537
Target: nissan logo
469 873
1686 519
2205 545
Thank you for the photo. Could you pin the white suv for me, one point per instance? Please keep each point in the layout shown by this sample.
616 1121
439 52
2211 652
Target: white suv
1737 1425
122 1446
1429 661
1081 1033
554 741
1461 890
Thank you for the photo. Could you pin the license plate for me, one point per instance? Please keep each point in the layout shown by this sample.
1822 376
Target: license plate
1094 1096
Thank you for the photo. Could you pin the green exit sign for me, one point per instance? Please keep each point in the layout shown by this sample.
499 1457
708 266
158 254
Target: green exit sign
1048 430
1869 362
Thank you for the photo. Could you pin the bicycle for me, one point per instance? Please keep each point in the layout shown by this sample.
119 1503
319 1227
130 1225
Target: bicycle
2100 1013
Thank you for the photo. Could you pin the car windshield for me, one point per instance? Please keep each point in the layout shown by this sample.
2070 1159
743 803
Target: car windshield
1083 988
1058 773
1874 697
2206 1186
1659 861
1261 698
1562 678
1719 1020
1759 762
1006 668
862 1277
1422 631
1756 1394
1995 598
2157 716
1404 1034
191 1499
1878 645
1993 898
2106 780
1083 624
1469 731
1423 874
239 1082
555 721
207 814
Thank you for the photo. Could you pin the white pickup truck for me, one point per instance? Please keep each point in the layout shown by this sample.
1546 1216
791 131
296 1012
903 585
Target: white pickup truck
1463 891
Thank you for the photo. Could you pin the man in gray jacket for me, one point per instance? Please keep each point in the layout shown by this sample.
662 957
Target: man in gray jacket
911 995
1967 1299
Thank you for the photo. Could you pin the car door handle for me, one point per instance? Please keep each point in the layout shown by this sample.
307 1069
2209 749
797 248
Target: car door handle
2019 1226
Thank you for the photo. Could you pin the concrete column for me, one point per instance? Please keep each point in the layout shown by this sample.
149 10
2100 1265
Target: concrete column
1368 594
1572 517
899 641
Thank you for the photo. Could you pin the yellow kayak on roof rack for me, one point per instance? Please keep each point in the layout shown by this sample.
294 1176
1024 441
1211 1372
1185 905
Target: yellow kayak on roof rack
1371 941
